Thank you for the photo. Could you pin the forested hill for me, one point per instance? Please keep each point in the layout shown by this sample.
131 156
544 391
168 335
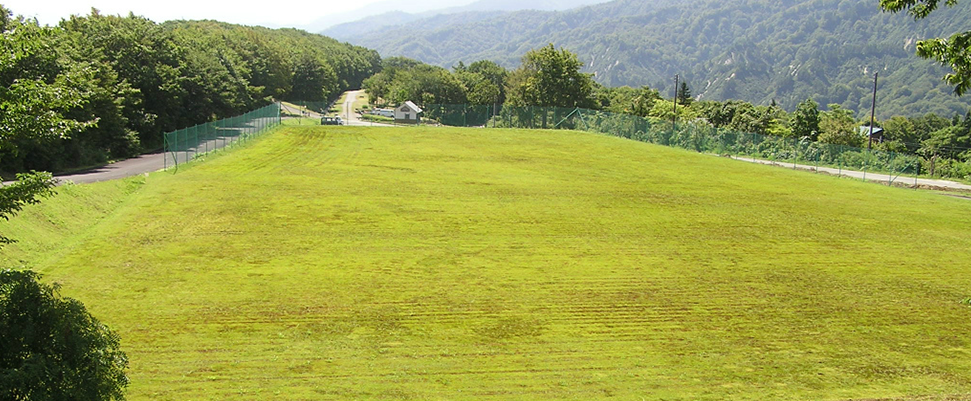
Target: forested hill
107 86
754 50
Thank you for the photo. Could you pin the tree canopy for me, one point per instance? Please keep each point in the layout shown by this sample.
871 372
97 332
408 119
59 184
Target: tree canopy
954 52
102 87
550 77
805 120
51 348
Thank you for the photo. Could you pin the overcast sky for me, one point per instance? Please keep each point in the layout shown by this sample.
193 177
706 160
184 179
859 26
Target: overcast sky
287 13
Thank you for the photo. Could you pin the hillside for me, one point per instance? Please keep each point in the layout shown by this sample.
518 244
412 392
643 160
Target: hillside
424 263
752 50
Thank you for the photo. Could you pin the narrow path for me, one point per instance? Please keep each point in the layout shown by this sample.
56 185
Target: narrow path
868 176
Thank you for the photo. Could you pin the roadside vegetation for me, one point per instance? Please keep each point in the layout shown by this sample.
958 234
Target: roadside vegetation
428 263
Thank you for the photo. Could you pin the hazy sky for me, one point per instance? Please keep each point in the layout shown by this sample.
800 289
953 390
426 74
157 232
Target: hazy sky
248 12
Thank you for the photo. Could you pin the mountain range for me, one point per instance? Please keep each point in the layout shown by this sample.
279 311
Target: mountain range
372 21
756 50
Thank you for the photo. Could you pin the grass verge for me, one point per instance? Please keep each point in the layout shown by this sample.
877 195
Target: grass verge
437 263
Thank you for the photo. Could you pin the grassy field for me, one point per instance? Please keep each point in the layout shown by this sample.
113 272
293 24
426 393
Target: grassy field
423 263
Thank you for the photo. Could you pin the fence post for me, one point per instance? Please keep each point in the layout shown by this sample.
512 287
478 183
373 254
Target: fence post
840 150
795 152
165 151
916 173
892 170
185 148
866 158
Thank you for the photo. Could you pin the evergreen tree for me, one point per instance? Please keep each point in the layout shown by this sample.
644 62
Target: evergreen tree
805 120
684 94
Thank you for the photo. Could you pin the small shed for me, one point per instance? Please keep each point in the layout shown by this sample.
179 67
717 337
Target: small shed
407 113
877 133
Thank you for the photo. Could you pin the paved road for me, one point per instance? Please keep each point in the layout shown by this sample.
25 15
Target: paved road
288 108
157 160
876 177
126 168
350 117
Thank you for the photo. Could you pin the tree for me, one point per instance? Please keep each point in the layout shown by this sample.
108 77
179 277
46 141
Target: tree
35 92
551 78
35 89
948 142
312 79
838 127
954 52
483 92
493 73
805 120
51 348
684 94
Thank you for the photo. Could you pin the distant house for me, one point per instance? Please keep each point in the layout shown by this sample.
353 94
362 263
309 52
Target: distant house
877 133
407 113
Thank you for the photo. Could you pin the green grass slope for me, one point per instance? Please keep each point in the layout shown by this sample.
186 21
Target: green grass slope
51 229
423 263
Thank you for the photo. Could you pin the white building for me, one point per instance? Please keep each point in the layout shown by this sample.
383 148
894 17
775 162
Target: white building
407 113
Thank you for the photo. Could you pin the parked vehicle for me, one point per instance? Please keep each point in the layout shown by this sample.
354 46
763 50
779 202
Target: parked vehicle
331 121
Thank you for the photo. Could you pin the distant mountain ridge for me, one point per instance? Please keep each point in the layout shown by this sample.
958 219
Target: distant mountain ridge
375 23
755 50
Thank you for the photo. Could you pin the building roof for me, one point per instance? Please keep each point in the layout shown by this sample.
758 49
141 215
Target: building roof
413 106
865 130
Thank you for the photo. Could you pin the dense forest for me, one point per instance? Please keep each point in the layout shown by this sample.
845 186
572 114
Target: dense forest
755 50
112 85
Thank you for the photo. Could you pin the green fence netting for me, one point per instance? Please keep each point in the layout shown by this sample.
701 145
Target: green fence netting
692 135
185 144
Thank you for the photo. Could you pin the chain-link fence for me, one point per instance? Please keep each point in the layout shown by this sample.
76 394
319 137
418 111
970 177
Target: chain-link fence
697 136
185 144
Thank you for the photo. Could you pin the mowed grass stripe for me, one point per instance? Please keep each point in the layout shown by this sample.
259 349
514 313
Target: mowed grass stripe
423 263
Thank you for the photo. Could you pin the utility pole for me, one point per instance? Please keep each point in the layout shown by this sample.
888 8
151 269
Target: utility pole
873 110
674 120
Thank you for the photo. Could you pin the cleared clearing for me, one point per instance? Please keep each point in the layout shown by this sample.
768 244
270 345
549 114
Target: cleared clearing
423 263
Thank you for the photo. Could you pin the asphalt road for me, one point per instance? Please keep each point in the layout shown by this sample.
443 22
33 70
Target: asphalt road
126 168
350 117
